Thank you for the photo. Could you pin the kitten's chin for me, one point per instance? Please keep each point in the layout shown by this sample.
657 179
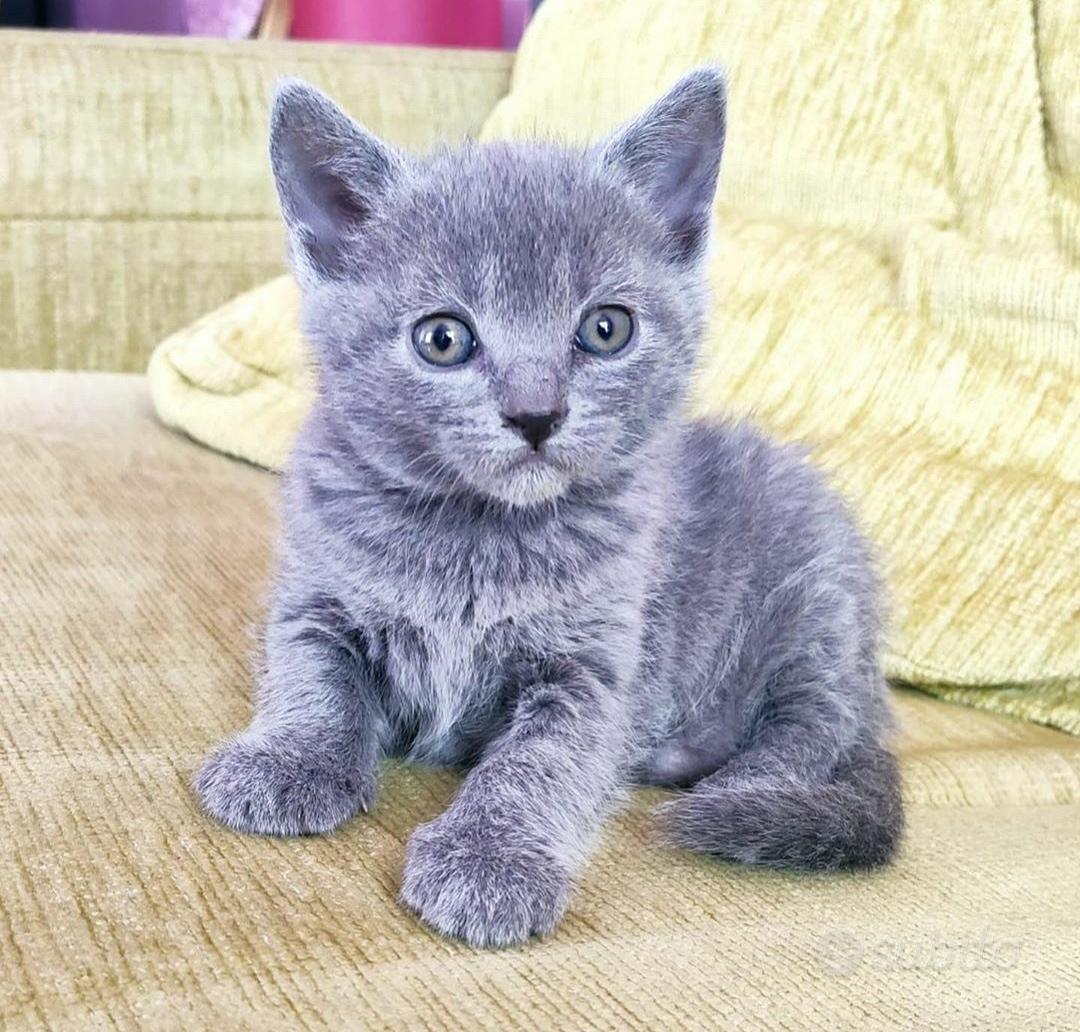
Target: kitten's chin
528 484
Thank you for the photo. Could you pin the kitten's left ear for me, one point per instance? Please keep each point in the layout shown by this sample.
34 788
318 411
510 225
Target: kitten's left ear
331 175
672 153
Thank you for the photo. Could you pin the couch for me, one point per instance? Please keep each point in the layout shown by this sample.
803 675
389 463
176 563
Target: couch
133 198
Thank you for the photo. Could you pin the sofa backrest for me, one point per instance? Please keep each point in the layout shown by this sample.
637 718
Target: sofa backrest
135 193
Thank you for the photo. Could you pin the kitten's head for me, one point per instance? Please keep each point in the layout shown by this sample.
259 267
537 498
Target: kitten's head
509 319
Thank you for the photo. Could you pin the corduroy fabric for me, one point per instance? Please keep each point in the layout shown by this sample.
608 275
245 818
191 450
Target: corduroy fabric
135 192
132 568
896 284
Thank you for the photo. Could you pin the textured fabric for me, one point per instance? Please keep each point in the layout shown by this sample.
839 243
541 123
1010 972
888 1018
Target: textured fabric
132 568
135 192
896 284
237 379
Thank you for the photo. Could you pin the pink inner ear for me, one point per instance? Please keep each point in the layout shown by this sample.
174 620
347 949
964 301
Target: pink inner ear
328 212
329 173
671 154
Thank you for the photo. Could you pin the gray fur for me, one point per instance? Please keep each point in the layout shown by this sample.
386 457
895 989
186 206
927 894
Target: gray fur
646 599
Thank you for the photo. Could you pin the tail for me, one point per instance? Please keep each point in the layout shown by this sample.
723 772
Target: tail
853 819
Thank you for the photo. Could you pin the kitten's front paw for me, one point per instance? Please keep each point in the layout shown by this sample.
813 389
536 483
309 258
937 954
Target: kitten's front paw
480 885
256 784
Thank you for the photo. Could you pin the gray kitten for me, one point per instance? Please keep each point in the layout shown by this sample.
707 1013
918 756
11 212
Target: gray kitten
505 547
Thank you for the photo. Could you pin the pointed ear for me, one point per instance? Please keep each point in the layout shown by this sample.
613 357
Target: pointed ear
331 175
671 155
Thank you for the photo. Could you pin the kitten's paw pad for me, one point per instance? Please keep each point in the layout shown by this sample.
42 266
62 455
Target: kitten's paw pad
477 885
259 786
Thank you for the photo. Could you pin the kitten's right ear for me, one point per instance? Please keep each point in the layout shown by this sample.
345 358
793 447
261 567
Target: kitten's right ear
330 176
671 154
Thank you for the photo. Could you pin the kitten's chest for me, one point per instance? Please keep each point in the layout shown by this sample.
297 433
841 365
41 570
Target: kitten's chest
444 686
457 595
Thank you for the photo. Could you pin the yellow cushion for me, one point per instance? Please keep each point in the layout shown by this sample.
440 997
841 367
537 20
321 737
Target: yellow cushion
896 284
238 379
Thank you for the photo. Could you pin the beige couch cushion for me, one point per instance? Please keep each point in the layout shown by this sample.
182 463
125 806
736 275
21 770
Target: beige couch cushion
132 564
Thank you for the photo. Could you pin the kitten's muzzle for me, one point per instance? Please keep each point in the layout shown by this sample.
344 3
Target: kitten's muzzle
535 427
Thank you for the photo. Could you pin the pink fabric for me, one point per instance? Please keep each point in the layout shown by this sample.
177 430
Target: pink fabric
461 23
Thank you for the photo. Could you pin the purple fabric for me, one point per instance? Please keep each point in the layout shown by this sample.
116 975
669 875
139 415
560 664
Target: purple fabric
515 14
233 18
120 15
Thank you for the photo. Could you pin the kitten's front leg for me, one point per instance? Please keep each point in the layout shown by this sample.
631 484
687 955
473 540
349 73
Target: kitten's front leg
308 760
497 866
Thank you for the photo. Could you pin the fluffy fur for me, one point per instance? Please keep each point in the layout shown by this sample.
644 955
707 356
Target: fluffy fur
641 599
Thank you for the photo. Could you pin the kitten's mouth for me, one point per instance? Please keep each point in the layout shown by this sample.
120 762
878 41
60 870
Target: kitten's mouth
531 459
543 464
530 477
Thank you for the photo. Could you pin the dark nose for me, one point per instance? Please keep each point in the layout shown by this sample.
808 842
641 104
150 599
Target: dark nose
535 427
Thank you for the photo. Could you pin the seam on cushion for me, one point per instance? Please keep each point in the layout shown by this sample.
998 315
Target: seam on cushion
201 388
285 382
1027 709
932 675
1049 146
261 379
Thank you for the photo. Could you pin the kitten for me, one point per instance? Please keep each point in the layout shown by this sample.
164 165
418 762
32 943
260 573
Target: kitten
505 548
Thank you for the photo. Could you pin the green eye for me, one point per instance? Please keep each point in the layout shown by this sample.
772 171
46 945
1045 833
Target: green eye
443 340
605 330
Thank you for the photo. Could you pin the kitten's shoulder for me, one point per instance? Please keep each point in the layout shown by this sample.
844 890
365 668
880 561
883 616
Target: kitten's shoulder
733 467
734 450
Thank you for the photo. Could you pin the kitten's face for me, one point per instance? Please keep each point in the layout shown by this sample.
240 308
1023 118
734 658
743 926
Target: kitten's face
462 340
508 320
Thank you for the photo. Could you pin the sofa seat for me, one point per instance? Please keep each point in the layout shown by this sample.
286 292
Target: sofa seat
132 567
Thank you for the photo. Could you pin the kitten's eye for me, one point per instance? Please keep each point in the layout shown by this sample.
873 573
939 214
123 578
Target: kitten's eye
443 340
605 330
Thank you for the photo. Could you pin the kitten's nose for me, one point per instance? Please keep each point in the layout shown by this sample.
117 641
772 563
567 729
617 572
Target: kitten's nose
535 427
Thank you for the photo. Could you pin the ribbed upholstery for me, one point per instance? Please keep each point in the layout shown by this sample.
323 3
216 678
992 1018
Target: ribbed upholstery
133 567
135 192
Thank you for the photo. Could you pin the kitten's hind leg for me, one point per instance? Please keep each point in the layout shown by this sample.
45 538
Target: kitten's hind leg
779 805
